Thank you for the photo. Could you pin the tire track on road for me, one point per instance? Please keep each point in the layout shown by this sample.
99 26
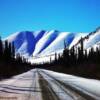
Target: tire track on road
46 89
73 91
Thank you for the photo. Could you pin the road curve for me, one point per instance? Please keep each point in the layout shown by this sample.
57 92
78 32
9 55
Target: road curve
39 84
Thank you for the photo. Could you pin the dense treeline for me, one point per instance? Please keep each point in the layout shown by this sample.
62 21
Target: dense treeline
76 61
11 64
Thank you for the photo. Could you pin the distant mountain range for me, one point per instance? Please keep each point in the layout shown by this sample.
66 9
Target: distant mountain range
42 43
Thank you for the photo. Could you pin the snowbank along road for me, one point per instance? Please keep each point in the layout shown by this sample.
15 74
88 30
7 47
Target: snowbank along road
39 84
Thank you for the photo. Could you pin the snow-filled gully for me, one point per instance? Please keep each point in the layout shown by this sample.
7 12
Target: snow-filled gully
39 84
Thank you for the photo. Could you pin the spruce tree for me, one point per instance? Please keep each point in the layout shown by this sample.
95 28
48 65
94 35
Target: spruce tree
13 50
1 49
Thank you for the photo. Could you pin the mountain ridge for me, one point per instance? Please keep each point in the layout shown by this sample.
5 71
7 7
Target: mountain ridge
42 43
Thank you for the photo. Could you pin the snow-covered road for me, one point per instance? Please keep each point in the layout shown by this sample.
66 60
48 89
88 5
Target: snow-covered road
39 84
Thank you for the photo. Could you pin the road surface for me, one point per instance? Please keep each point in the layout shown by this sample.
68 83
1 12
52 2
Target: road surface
39 84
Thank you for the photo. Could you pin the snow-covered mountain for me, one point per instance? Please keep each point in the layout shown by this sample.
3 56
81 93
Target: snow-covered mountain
91 40
43 43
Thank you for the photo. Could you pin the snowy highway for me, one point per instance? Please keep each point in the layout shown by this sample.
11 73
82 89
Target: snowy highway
39 84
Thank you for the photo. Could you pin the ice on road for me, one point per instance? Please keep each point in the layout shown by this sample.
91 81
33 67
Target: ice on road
39 84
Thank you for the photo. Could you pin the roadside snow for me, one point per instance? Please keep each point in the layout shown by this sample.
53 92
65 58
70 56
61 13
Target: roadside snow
89 86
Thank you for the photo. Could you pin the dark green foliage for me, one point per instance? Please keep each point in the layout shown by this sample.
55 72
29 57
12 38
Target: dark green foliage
76 61
13 50
1 49
11 64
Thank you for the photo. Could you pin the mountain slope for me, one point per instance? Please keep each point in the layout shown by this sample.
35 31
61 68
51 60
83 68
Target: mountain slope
25 41
39 44
91 40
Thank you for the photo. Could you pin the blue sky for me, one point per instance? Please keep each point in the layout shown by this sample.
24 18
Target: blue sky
63 15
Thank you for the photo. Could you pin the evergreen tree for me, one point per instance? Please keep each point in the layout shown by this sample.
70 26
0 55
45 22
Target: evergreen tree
81 49
72 56
66 57
55 57
13 50
10 51
6 51
65 44
1 49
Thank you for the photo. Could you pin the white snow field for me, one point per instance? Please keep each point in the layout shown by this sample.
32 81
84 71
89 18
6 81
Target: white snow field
40 84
